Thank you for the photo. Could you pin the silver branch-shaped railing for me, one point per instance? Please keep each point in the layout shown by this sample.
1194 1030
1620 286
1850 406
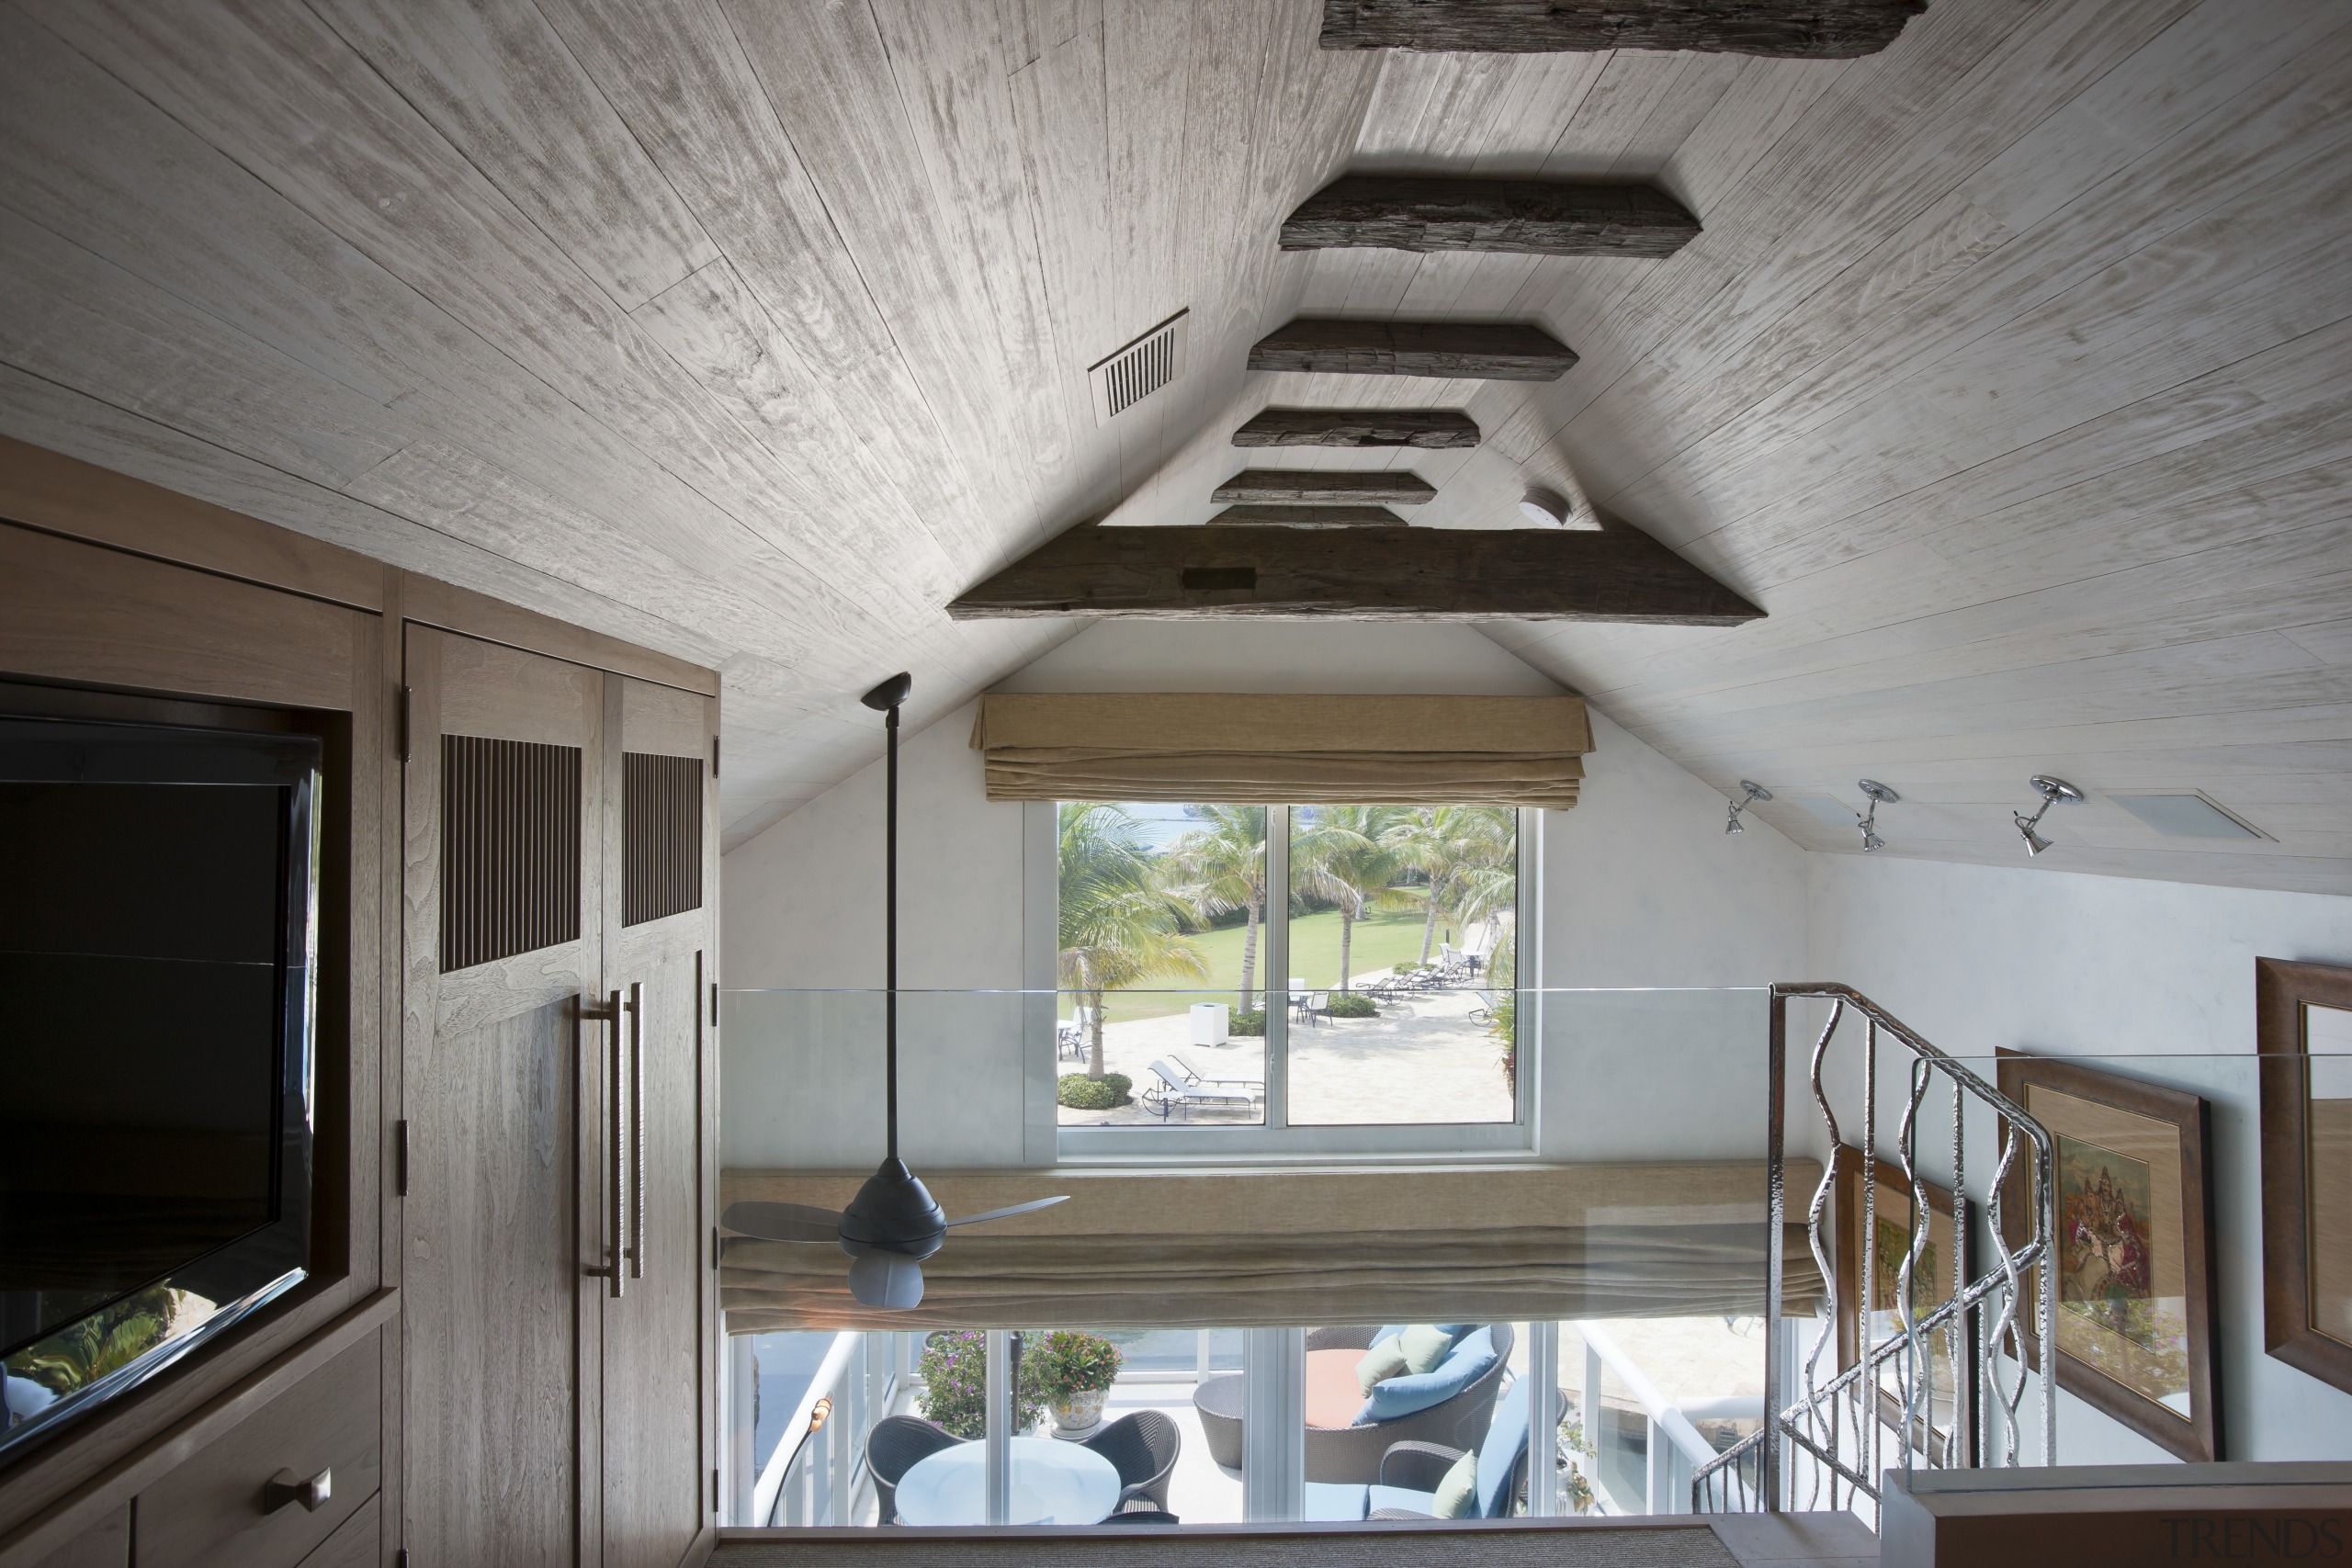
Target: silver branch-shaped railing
1937 1377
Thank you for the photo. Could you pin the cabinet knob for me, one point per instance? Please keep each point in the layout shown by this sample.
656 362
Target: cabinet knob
287 1487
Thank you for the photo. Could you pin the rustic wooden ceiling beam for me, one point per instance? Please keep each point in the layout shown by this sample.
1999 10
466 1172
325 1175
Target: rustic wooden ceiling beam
1434 429
1174 573
1539 218
1312 485
1282 515
1481 351
1788 30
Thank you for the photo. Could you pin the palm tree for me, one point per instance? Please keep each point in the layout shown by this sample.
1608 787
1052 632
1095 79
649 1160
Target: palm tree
1341 853
1220 867
1117 928
1468 857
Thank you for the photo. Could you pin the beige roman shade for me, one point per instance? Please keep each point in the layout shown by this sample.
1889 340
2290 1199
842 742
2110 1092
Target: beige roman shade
1278 750
1240 1250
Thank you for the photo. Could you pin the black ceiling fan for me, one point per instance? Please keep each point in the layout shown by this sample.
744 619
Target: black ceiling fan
894 1223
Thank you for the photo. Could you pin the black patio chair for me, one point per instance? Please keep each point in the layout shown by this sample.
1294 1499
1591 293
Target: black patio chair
891 1449
1142 1448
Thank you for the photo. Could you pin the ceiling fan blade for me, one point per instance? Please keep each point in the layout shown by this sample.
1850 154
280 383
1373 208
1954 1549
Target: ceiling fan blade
783 1222
1008 1213
890 1279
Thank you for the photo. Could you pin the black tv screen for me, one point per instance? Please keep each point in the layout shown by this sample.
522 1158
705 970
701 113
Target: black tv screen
158 919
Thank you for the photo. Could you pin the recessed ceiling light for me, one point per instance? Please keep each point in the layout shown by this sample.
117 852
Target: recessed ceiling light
2186 815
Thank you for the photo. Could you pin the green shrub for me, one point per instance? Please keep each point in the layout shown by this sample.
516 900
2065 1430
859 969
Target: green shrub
953 1369
1248 1025
1082 1093
1347 1004
1064 1361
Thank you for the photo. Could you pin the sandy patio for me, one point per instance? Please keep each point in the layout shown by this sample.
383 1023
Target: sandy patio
1423 1059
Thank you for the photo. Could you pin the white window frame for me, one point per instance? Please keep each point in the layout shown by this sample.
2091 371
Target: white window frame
1273 1141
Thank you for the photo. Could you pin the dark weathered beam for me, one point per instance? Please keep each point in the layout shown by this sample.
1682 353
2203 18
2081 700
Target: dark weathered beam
1279 515
1310 485
1789 30
1619 575
1432 428
1539 218
1467 350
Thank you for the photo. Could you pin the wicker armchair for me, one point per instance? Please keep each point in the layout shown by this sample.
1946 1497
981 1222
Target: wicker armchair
891 1449
1353 1453
1142 1448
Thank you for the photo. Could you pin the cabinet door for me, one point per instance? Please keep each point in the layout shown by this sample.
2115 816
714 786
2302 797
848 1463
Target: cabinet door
502 1091
660 899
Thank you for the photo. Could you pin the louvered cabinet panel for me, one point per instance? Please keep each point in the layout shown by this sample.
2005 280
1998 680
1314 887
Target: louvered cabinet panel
503 1089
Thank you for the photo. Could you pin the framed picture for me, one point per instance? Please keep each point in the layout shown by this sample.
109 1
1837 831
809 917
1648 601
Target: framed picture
1890 1217
2136 1279
2303 1035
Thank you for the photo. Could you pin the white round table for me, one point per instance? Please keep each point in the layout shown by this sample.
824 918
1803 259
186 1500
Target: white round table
1053 1483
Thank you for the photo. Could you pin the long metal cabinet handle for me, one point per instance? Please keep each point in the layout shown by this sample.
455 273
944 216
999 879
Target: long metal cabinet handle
609 1011
636 1115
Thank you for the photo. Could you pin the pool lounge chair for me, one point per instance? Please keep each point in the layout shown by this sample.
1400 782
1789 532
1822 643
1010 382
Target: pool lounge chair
1195 1079
1172 1092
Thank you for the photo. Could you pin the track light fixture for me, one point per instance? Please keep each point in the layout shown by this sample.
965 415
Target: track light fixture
1756 791
1868 822
2051 790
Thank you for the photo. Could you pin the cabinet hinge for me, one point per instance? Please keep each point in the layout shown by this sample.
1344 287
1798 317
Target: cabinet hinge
713 1491
399 1158
714 756
400 1558
714 1004
404 706
714 1247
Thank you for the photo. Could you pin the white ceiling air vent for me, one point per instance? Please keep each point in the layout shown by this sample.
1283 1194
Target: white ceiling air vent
1136 371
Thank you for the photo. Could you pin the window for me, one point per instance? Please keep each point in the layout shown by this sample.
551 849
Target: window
1225 968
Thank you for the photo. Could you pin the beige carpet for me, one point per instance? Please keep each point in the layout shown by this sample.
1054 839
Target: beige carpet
1568 1545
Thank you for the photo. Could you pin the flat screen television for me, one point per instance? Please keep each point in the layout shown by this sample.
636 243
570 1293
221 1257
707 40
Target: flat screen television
158 954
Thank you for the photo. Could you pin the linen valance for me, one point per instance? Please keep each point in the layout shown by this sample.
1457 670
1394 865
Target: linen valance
1256 1249
1283 749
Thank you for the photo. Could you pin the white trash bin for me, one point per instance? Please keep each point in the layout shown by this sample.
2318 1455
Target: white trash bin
1212 1024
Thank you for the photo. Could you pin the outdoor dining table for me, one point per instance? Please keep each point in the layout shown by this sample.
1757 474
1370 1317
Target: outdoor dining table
1054 1483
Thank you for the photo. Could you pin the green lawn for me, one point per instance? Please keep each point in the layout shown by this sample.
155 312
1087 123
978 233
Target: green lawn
1381 941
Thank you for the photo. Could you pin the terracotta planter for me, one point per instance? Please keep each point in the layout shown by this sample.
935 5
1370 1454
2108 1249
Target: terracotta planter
1078 1411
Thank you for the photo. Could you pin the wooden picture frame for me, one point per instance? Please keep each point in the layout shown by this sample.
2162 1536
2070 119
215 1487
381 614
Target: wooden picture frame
2306 1169
2138 1338
1892 1215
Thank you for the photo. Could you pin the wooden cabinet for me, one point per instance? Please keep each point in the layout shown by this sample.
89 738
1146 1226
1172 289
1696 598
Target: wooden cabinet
558 939
273 1488
529 835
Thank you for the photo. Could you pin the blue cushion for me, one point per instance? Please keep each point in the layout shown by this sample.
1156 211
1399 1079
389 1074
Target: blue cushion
1498 1454
1400 1497
1403 1396
1333 1502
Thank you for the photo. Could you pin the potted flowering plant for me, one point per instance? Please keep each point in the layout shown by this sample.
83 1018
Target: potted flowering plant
1072 1371
954 1368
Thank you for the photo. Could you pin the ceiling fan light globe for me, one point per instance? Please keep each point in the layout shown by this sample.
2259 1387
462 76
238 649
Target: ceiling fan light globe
890 1280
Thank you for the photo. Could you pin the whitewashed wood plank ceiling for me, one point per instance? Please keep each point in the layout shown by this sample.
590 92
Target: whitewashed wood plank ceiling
2011 373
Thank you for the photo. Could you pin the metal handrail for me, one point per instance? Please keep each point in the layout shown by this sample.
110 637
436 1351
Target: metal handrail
823 1388
1974 1345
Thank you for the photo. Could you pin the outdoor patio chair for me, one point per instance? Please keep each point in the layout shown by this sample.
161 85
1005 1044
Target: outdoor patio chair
1314 1007
1173 1091
1197 1079
1410 1472
1142 1447
1069 1041
891 1449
